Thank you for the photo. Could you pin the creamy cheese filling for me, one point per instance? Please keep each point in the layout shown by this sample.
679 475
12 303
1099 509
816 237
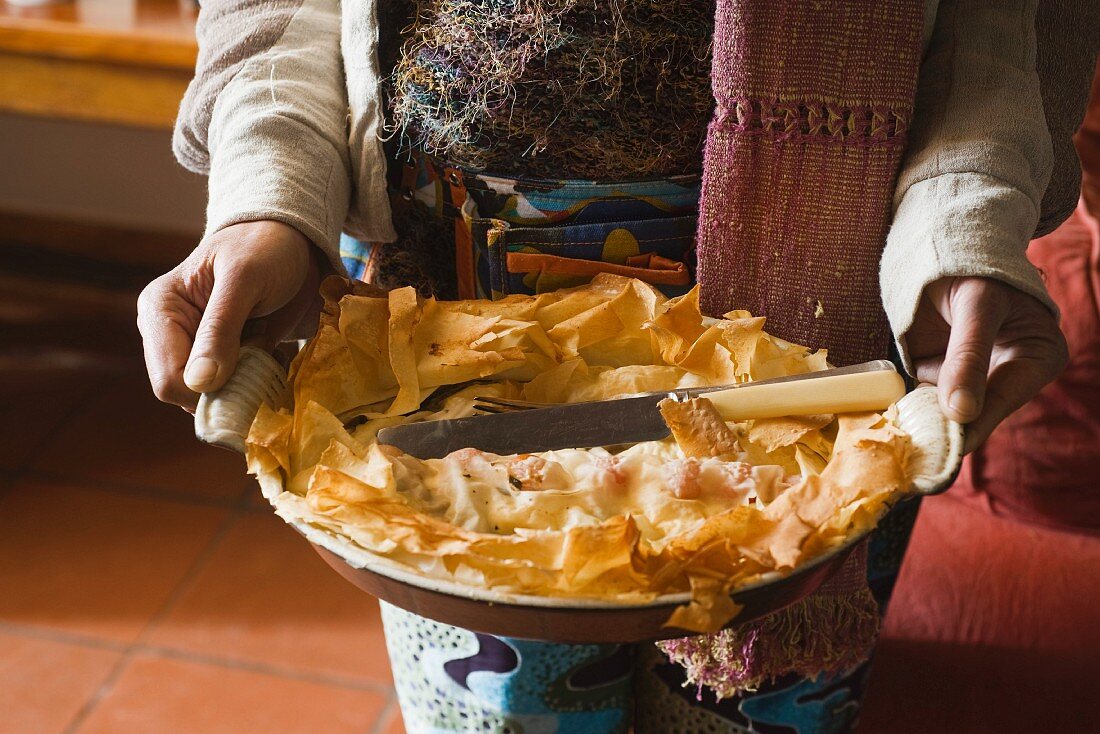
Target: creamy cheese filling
666 492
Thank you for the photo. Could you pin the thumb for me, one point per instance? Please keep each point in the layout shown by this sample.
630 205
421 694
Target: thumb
975 323
218 338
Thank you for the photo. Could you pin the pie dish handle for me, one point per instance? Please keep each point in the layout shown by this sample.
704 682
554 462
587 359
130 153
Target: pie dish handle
224 417
937 441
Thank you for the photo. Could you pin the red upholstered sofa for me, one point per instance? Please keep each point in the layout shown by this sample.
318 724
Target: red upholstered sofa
995 621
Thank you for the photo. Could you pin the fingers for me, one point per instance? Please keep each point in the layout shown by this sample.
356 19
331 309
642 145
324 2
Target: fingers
164 321
165 367
218 337
927 370
978 310
191 319
261 334
1011 385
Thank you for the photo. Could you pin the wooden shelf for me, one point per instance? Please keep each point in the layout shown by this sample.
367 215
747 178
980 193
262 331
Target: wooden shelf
117 61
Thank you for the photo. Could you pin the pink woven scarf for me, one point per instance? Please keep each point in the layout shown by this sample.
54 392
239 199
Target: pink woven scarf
814 98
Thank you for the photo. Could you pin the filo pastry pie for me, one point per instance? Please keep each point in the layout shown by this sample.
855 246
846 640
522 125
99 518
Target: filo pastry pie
712 508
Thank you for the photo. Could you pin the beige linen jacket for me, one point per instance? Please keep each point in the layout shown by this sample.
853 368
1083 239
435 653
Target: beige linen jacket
285 118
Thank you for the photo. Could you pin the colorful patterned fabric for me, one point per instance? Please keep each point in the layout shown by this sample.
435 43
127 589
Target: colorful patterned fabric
508 236
813 104
452 680
355 256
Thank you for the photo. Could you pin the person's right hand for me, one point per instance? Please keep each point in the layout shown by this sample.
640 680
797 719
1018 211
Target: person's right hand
191 319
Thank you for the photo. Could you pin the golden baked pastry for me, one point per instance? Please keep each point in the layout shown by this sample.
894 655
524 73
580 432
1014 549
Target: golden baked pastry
712 508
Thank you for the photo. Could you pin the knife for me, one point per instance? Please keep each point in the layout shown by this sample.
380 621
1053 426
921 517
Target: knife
868 386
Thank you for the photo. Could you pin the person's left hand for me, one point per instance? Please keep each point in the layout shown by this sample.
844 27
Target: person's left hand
988 347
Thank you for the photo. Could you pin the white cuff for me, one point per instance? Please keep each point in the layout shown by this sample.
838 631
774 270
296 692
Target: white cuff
956 224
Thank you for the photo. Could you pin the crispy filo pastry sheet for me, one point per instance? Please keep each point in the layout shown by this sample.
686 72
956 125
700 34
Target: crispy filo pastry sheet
712 508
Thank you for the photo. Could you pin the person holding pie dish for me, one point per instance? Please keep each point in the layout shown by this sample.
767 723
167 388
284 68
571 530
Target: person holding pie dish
872 201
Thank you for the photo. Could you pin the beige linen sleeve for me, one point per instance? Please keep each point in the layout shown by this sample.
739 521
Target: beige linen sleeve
265 117
979 159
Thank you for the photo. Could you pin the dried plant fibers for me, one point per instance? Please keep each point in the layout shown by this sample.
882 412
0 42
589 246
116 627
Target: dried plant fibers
558 88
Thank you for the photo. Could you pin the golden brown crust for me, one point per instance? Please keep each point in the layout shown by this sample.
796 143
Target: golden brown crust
374 355
775 433
698 428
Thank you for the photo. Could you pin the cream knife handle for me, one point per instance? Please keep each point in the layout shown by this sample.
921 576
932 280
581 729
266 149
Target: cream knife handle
853 393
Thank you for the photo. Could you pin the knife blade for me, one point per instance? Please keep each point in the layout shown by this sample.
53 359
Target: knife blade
581 425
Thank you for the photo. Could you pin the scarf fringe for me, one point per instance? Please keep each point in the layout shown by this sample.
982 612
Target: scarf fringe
822 634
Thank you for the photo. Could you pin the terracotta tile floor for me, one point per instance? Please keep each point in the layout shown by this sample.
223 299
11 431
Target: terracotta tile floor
142 587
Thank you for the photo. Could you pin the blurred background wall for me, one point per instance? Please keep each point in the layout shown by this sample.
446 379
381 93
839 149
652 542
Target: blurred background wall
98 173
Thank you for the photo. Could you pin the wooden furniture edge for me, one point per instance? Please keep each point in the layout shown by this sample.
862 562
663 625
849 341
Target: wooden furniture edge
91 91
89 64
55 39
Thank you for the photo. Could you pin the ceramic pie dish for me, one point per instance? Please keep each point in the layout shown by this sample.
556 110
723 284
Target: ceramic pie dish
223 418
